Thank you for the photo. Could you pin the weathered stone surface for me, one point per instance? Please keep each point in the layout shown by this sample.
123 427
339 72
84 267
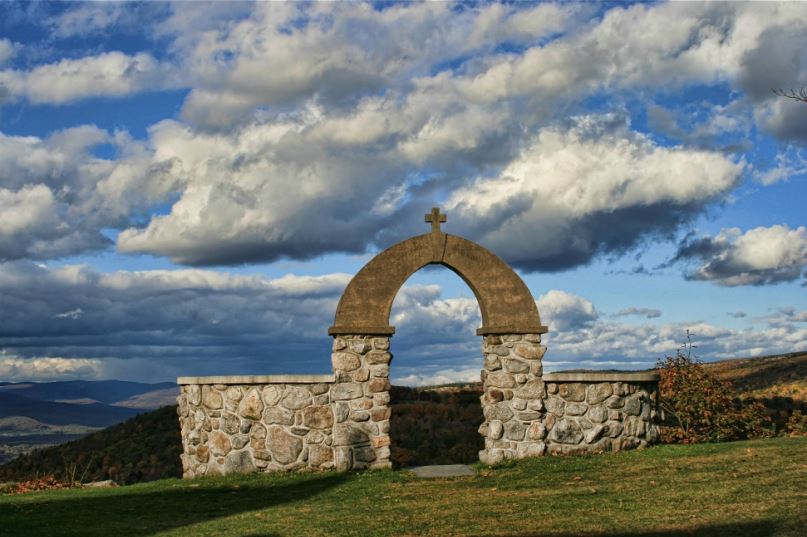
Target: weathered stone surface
251 405
573 391
597 393
346 390
349 434
240 440
378 385
230 423
576 409
597 413
381 441
211 398
530 449
381 398
296 398
516 366
518 404
633 406
529 351
338 344
552 388
501 379
318 455
378 358
364 403
615 401
555 405
493 362
194 395
220 443
536 431
360 375
345 361
495 429
284 447
341 412
514 430
239 462
381 414
594 434
614 428
278 415
202 453
318 417
381 343
566 431
499 411
533 389
359 415
528 416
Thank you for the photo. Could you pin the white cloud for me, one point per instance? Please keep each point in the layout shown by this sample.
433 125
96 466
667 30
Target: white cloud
7 50
648 313
760 256
111 74
16 369
565 311
57 195
591 188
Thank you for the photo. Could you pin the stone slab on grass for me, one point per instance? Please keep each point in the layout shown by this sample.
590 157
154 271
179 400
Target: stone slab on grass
443 470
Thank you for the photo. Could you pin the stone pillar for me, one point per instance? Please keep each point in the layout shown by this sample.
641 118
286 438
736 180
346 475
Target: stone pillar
360 398
513 397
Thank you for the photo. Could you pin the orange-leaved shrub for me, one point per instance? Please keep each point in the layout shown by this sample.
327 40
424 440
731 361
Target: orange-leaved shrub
699 407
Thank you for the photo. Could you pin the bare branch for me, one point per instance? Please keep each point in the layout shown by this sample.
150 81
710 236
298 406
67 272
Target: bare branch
801 95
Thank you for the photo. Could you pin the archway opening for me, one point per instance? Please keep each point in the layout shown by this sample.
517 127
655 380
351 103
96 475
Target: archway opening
435 372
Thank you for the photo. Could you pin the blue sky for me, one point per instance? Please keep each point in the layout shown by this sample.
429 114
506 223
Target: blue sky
186 188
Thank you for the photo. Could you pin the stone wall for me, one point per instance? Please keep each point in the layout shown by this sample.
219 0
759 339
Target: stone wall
246 424
342 421
528 414
513 397
360 396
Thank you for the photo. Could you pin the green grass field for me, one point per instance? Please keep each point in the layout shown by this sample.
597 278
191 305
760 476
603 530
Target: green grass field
743 488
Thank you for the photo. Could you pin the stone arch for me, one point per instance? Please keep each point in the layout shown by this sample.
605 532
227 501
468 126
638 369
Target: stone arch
506 304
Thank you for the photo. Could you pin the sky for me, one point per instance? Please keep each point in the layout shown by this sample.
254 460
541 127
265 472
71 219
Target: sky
187 188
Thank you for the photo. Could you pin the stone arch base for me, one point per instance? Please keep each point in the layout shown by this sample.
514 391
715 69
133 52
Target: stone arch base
342 421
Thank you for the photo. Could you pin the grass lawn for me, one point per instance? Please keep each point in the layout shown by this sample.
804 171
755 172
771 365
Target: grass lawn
741 488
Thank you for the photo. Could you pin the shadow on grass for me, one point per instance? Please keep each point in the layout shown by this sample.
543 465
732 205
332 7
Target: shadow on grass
755 528
139 514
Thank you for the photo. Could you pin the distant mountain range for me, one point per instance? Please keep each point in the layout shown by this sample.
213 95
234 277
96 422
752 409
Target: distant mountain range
34 414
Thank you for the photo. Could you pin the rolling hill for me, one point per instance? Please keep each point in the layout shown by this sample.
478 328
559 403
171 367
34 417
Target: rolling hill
432 425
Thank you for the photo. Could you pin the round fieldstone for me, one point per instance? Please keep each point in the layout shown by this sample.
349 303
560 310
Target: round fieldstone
194 395
296 398
251 405
319 455
345 361
318 417
536 431
530 351
555 405
566 432
597 393
597 413
378 358
230 423
346 390
271 395
219 443
284 447
495 429
573 391
516 366
514 430
533 389
500 379
211 398
278 415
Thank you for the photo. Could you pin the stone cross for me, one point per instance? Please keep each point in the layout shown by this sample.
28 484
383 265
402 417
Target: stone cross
435 218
